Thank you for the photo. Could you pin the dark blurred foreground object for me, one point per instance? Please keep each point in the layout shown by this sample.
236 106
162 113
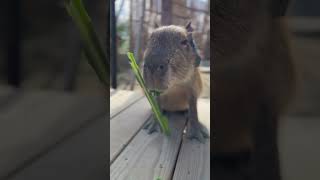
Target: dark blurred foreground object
52 136
113 46
247 87
13 41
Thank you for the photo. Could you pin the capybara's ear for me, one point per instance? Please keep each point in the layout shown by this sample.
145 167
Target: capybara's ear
189 27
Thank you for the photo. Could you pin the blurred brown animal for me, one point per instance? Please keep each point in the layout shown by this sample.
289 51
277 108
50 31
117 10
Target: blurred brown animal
171 66
253 81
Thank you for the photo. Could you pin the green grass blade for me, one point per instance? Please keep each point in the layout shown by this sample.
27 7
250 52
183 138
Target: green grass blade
163 121
92 47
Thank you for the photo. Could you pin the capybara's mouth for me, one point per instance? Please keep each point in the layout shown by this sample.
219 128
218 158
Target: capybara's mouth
154 82
156 86
158 90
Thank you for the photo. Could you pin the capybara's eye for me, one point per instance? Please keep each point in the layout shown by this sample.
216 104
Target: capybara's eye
184 42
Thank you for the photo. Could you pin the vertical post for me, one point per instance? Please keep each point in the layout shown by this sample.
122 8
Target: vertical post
113 45
166 13
131 46
13 43
108 30
139 36
138 39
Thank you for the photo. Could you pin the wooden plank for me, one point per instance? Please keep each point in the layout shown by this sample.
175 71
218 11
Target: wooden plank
122 100
126 124
150 156
80 157
194 157
37 121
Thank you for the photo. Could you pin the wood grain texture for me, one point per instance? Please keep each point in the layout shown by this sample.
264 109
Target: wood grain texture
150 156
126 125
194 158
38 120
121 100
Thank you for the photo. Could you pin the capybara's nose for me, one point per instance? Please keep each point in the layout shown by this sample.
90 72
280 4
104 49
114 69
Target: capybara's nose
158 68
155 65
161 68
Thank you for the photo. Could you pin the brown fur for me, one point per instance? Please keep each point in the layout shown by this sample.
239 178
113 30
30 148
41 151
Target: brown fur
253 80
170 66
176 98
183 79
252 65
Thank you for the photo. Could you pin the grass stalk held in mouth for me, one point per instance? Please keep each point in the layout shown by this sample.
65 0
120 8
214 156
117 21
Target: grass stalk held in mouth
162 120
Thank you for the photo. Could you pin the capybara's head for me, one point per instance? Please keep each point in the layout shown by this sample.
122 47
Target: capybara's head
169 57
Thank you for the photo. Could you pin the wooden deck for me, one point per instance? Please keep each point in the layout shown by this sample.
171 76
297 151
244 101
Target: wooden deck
134 154
51 135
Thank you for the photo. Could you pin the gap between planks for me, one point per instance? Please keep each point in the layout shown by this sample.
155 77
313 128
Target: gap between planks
132 158
194 158
121 100
125 126
149 156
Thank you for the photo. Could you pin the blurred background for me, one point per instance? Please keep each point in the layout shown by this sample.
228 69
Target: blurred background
40 49
134 22
52 106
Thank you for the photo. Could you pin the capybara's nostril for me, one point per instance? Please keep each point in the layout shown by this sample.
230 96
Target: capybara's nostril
161 67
